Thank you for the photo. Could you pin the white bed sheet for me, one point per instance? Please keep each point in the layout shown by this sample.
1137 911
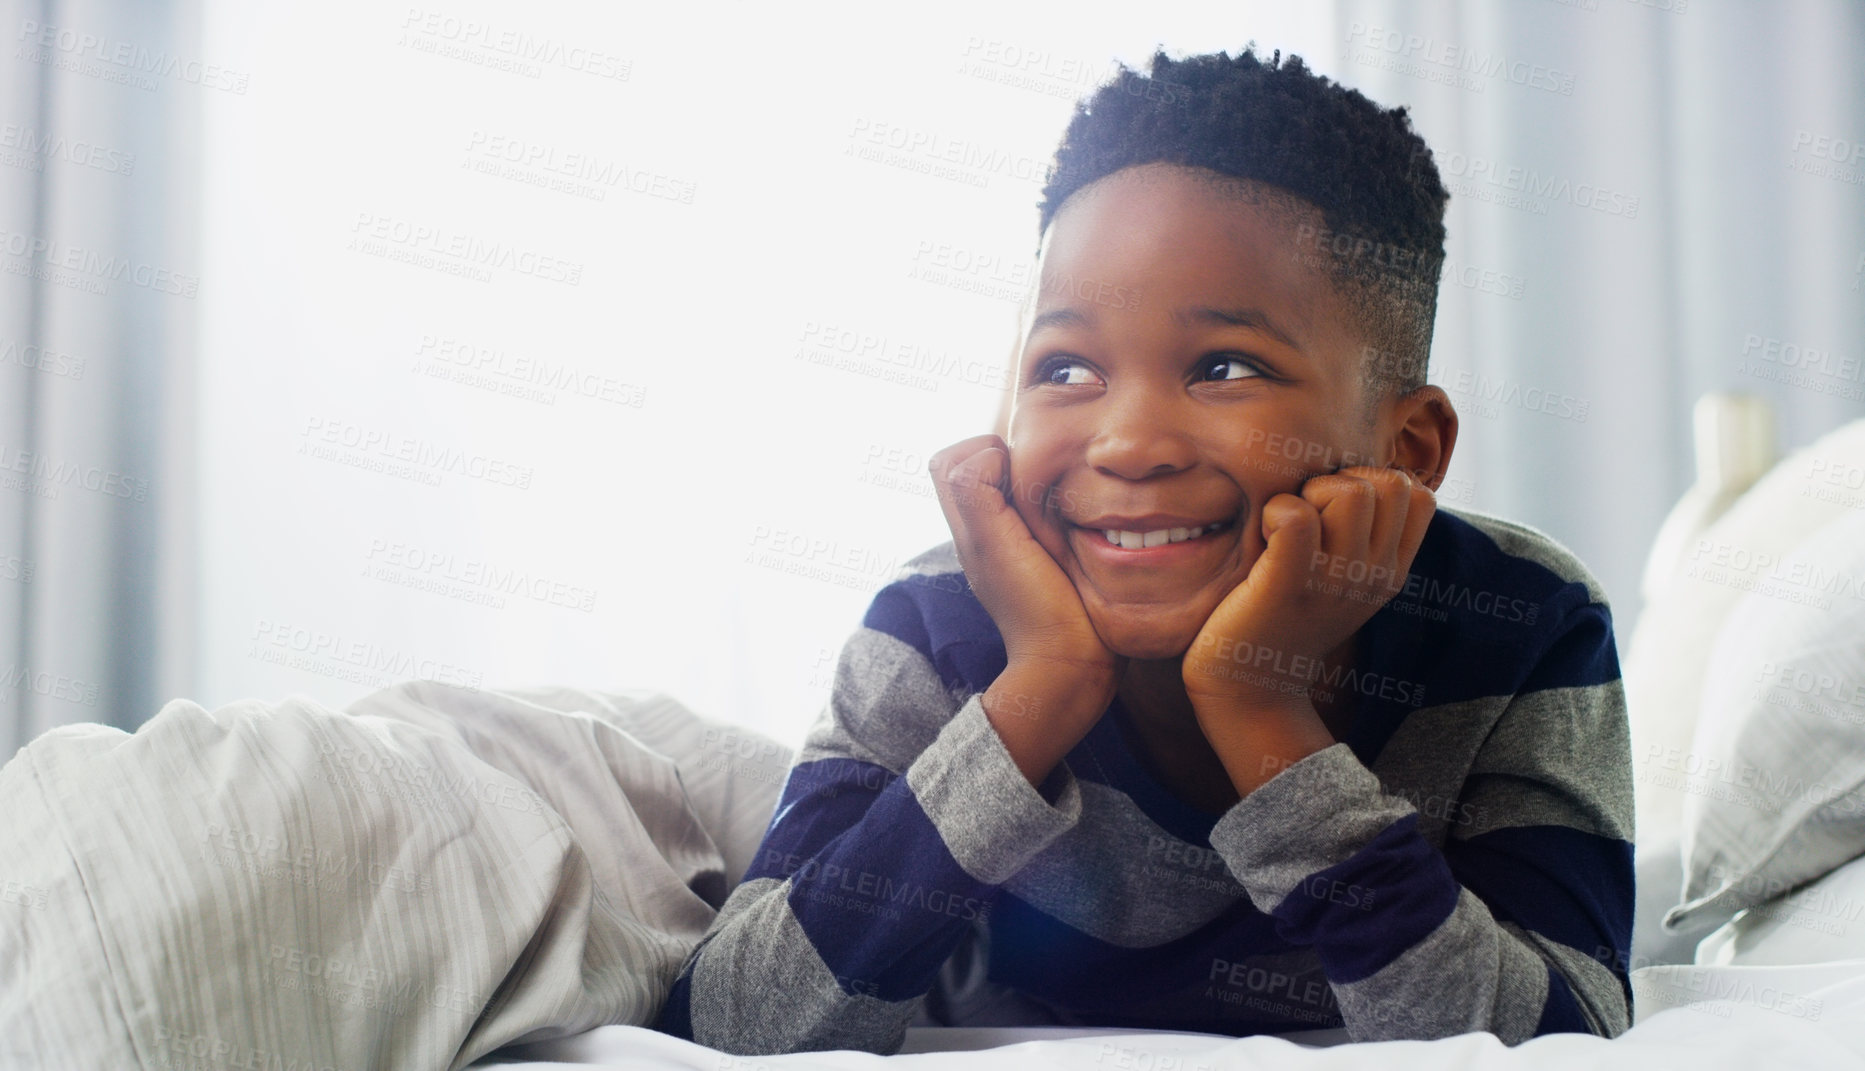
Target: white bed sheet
1700 1018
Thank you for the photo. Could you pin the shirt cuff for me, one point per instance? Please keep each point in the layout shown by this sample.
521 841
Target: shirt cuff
1311 816
991 818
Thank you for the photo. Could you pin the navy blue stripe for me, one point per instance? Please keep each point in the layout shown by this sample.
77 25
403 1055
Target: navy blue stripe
1562 883
883 903
1561 1014
1584 655
821 799
676 1015
1183 984
940 617
1365 911
896 612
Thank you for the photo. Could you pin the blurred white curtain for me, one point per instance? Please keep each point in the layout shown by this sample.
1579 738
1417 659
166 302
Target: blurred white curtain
1650 199
98 291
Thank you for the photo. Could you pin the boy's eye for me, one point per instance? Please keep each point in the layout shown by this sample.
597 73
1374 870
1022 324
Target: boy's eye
1228 368
1067 373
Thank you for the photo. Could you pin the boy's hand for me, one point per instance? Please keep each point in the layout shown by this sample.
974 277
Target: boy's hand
1060 677
1334 555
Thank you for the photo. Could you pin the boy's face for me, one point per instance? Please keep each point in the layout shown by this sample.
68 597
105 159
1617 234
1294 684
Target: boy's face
1184 365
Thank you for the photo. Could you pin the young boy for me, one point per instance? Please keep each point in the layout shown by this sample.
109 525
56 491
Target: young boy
1206 719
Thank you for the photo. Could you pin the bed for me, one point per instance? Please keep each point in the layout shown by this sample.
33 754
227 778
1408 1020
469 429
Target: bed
324 862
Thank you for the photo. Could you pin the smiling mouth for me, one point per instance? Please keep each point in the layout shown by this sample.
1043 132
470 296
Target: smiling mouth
1128 540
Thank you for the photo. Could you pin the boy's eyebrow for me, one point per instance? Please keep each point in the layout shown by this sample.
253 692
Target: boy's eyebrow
1064 317
1255 319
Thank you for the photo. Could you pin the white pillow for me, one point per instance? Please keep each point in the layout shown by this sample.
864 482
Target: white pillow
1665 656
1775 781
1818 924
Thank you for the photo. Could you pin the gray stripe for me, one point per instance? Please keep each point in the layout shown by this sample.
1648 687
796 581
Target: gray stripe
989 815
938 561
888 704
1273 838
1561 756
737 975
1597 989
1120 878
1428 756
1499 985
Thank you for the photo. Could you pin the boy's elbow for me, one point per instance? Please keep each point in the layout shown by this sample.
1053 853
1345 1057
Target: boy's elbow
1606 1012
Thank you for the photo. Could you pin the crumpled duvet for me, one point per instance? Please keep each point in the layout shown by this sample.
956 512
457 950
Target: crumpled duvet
412 883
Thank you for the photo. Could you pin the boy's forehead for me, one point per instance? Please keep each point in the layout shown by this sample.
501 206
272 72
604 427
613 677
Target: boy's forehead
1271 205
1158 212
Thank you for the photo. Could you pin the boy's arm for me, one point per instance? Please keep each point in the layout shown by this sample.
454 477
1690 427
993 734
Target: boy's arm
900 820
1520 926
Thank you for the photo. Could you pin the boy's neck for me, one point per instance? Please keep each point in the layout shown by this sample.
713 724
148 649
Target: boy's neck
1172 745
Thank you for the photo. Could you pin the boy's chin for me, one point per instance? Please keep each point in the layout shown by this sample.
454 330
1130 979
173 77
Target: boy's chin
1147 640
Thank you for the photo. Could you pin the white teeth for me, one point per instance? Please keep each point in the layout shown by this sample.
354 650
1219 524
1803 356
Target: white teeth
1138 540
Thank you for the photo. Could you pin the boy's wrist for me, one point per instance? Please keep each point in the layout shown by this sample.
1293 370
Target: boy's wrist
1256 738
1042 710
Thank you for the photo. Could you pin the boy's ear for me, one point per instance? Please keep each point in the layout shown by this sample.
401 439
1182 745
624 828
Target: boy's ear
1424 431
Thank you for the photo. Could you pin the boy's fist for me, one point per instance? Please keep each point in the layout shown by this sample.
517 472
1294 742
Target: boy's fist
1335 554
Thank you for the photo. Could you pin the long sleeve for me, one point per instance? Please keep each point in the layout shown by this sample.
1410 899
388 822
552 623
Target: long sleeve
1521 924
900 820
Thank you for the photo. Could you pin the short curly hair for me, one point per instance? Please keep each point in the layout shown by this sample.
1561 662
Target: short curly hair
1279 124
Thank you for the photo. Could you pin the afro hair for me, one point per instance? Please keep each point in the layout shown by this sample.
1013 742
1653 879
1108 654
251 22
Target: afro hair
1279 124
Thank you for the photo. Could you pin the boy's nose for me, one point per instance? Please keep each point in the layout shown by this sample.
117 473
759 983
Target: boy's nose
1138 438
